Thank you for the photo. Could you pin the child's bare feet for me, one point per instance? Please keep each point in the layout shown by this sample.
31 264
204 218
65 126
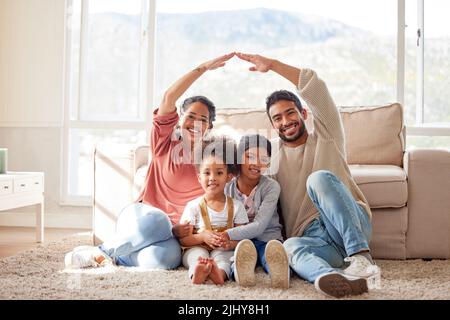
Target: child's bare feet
201 271
217 275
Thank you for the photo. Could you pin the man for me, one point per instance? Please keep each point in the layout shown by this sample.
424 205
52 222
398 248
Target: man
326 216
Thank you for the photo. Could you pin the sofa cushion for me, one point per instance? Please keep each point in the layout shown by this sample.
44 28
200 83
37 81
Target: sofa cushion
238 122
374 135
384 186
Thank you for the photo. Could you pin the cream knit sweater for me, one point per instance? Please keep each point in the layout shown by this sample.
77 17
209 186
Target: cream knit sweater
323 150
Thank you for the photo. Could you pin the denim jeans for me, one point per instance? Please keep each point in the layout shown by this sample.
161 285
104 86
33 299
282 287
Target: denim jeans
261 250
342 229
143 239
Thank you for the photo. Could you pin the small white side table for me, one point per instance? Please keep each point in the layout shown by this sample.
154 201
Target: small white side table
20 189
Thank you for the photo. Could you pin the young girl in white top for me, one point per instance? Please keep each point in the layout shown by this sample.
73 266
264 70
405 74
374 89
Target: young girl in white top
205 254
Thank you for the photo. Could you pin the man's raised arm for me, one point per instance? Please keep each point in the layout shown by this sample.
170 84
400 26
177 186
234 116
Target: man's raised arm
311 88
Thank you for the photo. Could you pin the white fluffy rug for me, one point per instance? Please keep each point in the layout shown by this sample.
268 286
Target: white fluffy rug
40 274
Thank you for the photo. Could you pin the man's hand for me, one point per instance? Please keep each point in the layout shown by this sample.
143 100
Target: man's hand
212 239
182 230
215 63
261 64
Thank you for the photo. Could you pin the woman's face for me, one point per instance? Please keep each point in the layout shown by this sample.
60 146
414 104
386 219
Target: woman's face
253 163
195 122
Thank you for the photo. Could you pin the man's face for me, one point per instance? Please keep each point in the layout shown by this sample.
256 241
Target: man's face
287 120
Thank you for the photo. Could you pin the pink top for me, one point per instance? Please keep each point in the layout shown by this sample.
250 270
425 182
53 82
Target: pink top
169 184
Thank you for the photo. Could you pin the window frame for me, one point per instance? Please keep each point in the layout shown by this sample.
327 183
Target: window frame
421 128
146 89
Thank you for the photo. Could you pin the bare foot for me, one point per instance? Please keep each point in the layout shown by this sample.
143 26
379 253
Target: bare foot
102 260
217 275
201 271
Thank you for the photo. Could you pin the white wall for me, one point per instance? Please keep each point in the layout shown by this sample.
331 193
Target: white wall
31 62
31 101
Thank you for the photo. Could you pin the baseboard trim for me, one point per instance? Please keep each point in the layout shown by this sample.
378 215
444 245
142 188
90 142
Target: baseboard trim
51 220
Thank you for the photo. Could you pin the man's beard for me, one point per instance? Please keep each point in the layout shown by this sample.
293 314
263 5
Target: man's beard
300 132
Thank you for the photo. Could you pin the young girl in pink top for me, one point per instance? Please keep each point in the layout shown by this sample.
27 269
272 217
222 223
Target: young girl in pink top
146 230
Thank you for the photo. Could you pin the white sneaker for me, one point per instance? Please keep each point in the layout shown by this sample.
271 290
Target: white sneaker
85 257
277 261
339 285
361 267
245 262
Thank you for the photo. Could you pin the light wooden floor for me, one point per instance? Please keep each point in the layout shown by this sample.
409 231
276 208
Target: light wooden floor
16 239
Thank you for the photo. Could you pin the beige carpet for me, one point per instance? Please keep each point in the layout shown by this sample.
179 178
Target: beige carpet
40 274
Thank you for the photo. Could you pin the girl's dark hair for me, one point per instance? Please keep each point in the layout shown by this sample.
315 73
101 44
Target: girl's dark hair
218 146
208 103
252 141
282 95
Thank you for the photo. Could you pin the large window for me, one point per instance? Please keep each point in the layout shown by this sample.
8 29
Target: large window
123 55
107 91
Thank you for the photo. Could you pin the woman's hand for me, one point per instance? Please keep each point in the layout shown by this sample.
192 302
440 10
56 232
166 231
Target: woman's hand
182 230
177 89
260 63
215 63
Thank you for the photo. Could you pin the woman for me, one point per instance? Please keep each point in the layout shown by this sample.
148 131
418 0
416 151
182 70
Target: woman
146 230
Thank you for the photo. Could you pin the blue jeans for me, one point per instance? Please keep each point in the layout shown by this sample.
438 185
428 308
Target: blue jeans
261 250
342 229
143 239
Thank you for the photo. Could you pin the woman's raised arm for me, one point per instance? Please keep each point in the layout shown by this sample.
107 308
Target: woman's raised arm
181 85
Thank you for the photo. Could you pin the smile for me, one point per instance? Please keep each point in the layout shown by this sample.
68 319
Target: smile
193 131
290 129
254 170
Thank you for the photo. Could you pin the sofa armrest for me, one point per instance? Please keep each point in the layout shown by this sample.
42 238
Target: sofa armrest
113 186
142 156
428 233
141 160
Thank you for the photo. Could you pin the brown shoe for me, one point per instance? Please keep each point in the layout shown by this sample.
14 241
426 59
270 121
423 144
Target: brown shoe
337 285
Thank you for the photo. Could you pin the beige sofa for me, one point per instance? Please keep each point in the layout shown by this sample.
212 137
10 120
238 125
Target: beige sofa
409 192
